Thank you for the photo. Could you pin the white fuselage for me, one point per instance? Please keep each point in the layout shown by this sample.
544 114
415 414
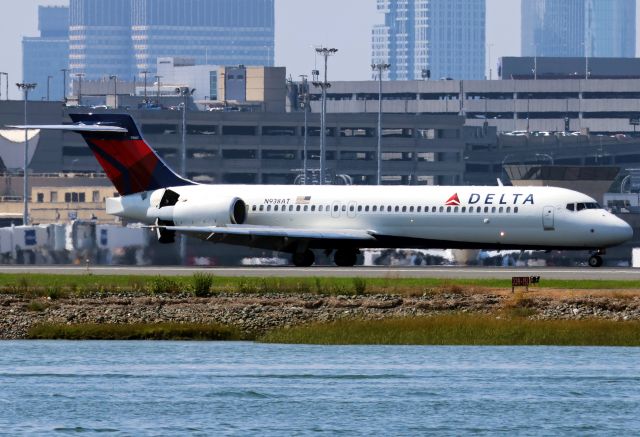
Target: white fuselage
413 216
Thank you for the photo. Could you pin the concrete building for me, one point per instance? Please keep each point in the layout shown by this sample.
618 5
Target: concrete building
126 37
45 56
529 68
56 198
444 37
600 106
579 28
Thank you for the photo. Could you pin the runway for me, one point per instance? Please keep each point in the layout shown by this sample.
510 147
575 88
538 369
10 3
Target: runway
628 274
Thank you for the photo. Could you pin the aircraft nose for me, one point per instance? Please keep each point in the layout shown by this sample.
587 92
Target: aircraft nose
621 231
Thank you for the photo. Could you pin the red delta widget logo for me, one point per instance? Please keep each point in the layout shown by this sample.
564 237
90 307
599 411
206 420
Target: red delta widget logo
493 199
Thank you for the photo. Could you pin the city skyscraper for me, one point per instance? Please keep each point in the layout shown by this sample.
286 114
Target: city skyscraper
445 37
44 56
100 39
126 37
217 32
611 28
603 28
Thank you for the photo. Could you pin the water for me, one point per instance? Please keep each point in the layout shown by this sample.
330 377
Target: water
206 388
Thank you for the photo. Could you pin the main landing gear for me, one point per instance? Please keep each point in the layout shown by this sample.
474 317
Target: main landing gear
345 257
303 259
596 259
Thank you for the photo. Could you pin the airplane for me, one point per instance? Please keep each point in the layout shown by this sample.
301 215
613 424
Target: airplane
340 220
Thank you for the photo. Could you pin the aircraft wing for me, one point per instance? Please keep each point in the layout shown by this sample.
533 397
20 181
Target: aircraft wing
276 231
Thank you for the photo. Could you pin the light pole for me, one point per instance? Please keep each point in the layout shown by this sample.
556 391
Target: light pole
325 52
48 87
305 108
184 92
528 112
25 87
79 76
115 90
64 84
380 68
158 95
144 73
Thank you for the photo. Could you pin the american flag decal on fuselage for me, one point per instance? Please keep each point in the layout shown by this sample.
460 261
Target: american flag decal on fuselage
303 200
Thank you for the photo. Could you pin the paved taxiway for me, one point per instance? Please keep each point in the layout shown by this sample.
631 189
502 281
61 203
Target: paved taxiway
366 272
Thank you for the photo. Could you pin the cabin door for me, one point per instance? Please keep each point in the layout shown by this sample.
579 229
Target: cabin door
547 218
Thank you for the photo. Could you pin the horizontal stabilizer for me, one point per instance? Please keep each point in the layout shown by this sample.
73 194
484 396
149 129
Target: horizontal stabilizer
74 127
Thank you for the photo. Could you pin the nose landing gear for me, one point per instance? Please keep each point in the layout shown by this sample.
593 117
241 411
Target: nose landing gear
596 259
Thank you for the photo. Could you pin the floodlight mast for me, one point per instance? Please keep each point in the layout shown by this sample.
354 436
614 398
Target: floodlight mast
324 85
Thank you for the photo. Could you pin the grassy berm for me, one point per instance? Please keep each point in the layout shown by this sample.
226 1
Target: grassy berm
320 310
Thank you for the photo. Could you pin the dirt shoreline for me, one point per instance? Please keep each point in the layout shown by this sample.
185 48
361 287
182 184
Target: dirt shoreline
259 313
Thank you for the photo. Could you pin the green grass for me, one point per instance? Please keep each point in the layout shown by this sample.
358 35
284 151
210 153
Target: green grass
462 330
60 286
156 331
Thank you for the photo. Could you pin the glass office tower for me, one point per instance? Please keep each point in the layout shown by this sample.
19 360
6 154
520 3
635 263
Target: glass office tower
44 56
611 28
602 28
125 37
100 38
445 37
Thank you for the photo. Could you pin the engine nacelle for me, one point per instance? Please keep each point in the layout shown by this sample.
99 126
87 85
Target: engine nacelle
209 212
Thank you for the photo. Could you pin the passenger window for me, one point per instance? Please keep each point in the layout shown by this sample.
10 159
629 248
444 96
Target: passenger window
486 209
493 209
471 209
366 208
352 208
320 208
254 207
268 208
515 209
375 208
275 208
508 209
298 208
306 208
434 209
441 209
335 208
261 208
397 209
389 208
404 209
419 209
313 208
344 208
464 209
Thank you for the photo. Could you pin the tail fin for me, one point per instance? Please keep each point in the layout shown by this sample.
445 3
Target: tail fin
129 162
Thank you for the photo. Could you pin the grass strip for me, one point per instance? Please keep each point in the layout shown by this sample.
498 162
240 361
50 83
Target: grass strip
140 331
59 286
461 329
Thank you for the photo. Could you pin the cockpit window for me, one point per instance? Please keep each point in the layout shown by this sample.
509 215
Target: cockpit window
583 205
